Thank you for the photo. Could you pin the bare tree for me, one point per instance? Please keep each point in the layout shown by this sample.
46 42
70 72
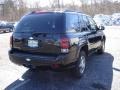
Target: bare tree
14 9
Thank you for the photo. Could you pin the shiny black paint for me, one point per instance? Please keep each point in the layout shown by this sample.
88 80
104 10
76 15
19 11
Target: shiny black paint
49 45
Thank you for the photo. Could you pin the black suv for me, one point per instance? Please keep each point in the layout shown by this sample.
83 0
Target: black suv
56 40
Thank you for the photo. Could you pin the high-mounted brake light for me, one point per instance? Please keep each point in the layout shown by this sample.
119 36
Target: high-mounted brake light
64 44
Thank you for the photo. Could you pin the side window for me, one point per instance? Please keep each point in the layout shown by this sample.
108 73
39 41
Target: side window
85 19
85 23
81 23
92 24
72 24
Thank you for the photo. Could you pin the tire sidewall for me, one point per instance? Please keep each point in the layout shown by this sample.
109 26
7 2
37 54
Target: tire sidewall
77 72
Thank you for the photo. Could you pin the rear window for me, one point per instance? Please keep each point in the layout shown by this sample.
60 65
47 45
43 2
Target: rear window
44 23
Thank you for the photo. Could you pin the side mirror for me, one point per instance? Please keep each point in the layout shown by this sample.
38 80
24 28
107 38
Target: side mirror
101 27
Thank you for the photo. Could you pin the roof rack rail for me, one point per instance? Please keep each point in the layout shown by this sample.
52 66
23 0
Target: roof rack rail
73 11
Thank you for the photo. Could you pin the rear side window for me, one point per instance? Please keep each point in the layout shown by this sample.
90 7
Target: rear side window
85 23
44 23
72 22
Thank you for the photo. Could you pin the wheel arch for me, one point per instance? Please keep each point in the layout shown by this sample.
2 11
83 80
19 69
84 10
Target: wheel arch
84 48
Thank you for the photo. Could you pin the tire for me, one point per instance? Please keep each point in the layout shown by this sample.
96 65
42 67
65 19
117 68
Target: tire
4 31
79 70
102 48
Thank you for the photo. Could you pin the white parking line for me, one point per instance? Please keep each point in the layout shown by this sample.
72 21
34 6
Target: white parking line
21 84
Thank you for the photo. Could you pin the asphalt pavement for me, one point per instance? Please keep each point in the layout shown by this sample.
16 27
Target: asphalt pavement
102 72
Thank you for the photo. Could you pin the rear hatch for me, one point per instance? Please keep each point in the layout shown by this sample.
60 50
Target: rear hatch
39 33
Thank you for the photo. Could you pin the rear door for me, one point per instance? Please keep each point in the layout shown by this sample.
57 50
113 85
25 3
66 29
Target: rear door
39 33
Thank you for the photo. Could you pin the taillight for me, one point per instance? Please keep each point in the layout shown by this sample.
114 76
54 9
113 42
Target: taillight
64 44
11 41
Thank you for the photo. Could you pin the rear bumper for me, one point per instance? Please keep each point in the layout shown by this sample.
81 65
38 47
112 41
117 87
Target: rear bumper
37 60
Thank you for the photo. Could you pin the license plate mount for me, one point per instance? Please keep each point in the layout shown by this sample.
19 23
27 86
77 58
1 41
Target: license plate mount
33 43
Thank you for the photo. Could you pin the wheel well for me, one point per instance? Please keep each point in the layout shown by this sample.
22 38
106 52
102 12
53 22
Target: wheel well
85 48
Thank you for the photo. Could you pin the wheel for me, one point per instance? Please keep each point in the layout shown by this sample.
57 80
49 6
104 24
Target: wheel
79 70
102 48
4 31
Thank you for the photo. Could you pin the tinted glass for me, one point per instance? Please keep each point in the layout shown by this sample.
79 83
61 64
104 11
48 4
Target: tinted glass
92 24
85 23
72 23
44 23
